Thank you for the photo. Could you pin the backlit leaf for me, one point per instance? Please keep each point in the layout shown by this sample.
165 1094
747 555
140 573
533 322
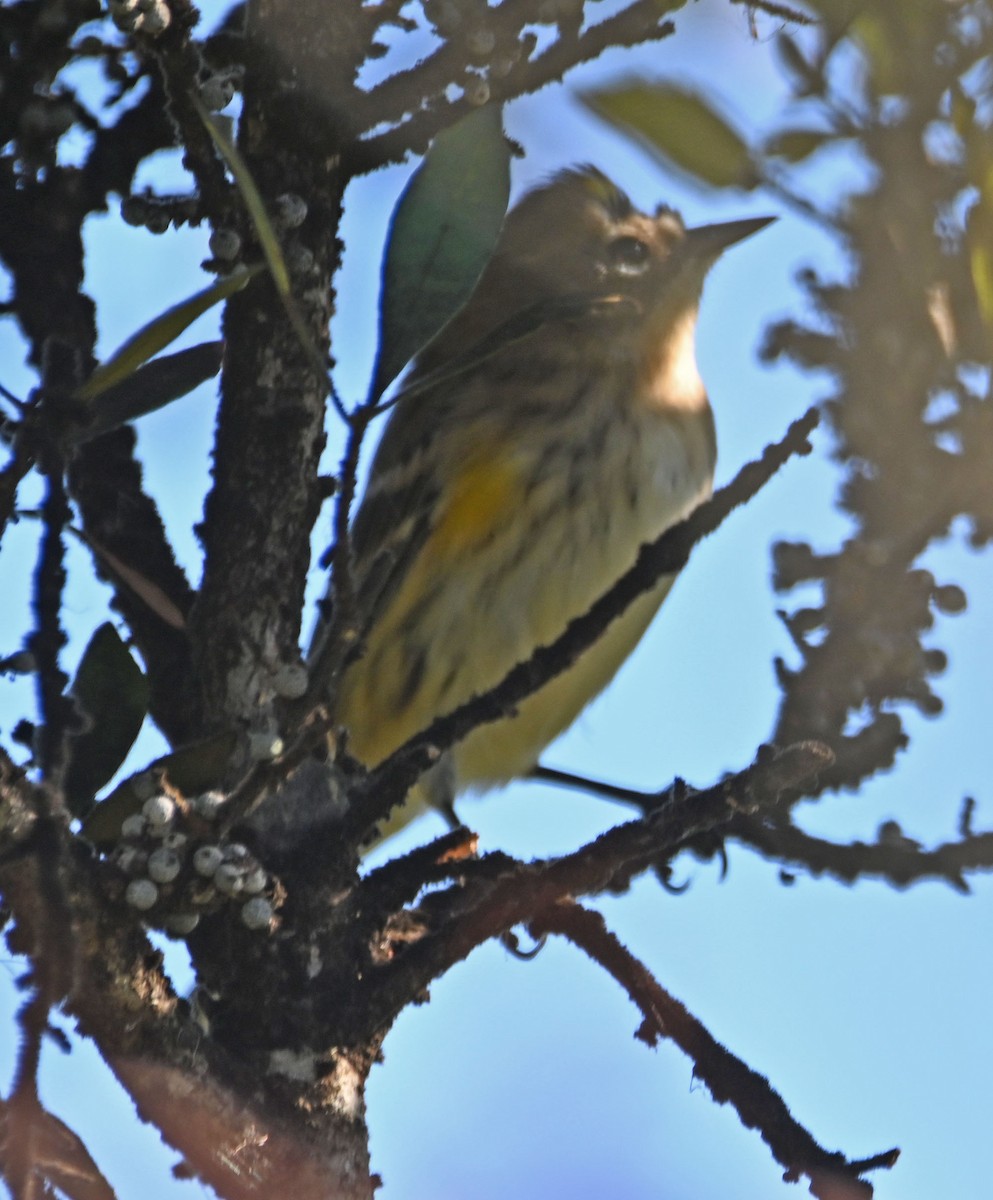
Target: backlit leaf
681 127
441 235
161 332
795 144
152 386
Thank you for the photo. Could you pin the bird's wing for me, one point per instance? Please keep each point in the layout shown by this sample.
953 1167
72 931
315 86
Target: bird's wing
399 509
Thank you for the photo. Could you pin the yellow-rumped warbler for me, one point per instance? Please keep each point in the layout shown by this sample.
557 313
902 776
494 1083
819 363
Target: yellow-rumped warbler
554 425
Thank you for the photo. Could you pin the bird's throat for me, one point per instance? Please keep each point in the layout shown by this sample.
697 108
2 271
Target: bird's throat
668 374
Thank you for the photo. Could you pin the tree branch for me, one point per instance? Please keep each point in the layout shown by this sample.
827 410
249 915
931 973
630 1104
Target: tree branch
237 1128
896 859
265 494
500 892
639 23
48 639
728 1079
119 516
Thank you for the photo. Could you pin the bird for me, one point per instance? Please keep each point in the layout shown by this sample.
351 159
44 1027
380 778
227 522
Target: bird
554 425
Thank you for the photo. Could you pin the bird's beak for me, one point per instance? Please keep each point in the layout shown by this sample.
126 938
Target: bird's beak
708 242
687 268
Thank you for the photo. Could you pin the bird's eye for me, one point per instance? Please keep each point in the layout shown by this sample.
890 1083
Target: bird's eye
628 255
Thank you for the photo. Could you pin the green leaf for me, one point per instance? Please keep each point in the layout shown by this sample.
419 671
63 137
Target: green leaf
264 231
252 197
795 144
161 332
441 236
153 386
112 691
681 127
192 769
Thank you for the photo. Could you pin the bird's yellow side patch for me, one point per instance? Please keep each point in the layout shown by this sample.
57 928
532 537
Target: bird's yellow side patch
482 498
480 501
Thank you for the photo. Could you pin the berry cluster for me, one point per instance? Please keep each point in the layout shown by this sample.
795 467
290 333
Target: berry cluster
175 874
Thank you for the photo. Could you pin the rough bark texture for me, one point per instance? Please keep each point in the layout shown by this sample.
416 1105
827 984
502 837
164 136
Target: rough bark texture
259 515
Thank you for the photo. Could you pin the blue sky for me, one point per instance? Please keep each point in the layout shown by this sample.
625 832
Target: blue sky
866 1007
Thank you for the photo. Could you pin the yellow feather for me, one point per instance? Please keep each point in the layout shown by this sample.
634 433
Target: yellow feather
481 498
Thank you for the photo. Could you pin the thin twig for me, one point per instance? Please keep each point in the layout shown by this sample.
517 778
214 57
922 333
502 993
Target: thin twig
728 1079
637 24
898 860
179 64
46 642
53 953
645 801
17 467
338 640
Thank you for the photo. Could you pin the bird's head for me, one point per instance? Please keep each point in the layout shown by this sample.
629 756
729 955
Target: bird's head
580 237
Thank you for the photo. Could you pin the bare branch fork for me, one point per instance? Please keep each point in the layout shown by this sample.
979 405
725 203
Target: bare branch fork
640 22
497 892
491 895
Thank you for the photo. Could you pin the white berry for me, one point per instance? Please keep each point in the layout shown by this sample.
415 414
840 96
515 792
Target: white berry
141 894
